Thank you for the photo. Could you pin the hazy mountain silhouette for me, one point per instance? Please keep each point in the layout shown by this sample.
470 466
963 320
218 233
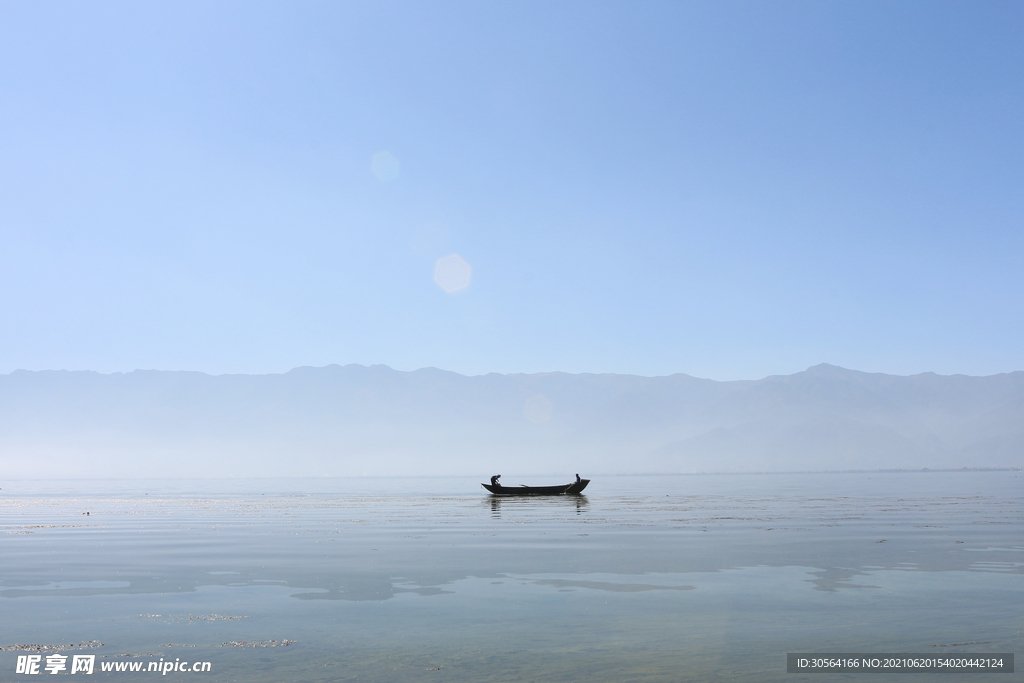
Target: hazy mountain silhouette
355 420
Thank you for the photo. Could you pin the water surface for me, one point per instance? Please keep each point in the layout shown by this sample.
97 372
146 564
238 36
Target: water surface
703 578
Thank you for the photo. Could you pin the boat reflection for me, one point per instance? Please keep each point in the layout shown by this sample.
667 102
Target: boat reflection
528 504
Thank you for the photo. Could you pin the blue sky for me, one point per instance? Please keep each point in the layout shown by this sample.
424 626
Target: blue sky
729 190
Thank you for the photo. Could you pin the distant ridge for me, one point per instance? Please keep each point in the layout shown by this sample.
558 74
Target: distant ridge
359 420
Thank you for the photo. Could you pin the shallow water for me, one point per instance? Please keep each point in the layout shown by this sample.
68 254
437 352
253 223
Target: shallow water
703 578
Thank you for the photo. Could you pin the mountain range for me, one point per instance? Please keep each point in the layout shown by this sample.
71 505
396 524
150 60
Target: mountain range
355 420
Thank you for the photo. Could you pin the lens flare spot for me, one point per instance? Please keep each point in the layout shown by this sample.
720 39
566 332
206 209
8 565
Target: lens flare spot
537 409
452 273
385 166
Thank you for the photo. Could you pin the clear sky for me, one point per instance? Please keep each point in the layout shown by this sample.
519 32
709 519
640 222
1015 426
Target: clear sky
728 190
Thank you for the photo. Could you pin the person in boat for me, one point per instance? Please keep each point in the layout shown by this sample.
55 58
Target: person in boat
494 480
578 480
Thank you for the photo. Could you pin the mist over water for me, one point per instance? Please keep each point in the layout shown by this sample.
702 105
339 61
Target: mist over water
643 578
357 421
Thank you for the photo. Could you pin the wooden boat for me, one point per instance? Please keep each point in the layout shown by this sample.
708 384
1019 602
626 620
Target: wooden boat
561 490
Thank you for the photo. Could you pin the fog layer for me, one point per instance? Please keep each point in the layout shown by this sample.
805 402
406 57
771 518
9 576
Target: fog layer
357 420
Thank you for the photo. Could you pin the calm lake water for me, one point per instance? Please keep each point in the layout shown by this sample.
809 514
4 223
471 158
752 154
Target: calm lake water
679 578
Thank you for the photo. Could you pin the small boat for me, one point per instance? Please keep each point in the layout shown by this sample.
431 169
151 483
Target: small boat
523 490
